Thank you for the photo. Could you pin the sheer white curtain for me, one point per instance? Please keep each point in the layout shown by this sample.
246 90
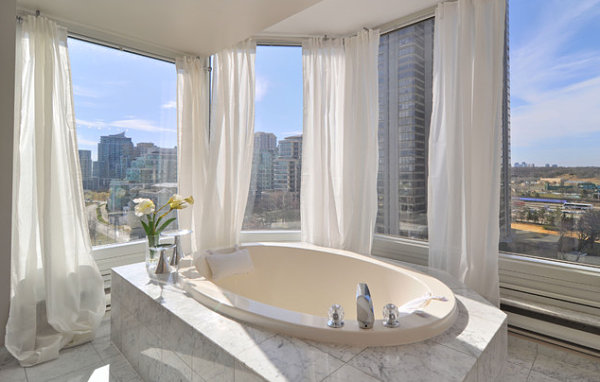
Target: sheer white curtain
57 292
339 149
465 142
230 148
192 153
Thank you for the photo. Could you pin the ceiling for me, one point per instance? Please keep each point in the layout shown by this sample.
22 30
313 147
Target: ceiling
342 17
198 27
202 27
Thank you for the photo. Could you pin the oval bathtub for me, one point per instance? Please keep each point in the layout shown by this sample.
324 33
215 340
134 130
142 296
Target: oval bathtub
293 285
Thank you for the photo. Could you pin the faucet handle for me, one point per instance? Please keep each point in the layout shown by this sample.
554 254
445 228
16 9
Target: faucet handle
390 316
336 316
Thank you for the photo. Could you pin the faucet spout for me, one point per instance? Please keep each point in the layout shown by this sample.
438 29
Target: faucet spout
364 307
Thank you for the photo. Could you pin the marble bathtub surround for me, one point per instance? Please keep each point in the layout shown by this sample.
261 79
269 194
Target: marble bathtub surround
167 335
528 361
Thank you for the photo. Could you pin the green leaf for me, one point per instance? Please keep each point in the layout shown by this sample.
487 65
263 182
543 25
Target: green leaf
157 222
165 225
146 228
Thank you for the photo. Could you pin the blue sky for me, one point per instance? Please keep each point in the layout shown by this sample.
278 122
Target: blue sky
555 81
278 90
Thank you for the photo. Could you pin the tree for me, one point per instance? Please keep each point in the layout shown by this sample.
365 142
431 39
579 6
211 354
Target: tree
532 215
522 214
542 215
588 230
566 226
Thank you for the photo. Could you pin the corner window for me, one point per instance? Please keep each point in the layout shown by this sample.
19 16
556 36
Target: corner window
274 196
405 83
555 130
127 135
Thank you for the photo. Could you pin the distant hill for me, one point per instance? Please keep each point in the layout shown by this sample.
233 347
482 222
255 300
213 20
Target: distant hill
587 174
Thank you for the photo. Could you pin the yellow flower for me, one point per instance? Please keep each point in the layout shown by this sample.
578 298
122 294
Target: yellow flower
143 206
178 202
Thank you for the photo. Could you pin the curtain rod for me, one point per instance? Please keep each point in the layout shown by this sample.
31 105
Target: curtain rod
108 39
20 18
407 20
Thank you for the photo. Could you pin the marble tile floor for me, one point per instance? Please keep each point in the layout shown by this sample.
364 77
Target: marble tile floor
100 361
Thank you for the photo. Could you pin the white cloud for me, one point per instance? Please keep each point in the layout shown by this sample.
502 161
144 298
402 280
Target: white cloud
82 91
290 133
169 105
541 62
91 124
262 85
141 125
562 112
129 123
556 88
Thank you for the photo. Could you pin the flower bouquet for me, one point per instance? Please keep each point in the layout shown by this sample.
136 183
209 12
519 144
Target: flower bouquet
153 222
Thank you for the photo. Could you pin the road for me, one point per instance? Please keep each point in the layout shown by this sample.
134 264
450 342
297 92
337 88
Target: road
112 232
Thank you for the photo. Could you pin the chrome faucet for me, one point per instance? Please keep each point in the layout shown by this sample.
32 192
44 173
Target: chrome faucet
364 307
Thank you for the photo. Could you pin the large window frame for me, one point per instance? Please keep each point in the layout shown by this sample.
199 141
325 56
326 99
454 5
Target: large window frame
566 284
117 254
266 233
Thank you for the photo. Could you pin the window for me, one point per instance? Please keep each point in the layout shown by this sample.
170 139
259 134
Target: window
405 81
555 130
127 135
274 197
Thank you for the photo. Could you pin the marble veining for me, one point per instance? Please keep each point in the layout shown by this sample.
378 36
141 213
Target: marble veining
342 352
210 362
166 334
348 373
523 354
283 358
424 361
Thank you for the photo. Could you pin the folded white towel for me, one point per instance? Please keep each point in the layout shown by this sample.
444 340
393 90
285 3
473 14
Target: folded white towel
218 264
418 303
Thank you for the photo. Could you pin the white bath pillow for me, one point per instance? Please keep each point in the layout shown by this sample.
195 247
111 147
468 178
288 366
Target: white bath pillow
201 264
229 264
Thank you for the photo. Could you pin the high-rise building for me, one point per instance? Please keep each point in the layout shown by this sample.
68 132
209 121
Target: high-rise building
405 84
288 165
154 165
115 153
264 141
505 191
265 152
85 162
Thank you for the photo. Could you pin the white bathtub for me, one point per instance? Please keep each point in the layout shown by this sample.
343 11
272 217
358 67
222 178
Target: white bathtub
293 285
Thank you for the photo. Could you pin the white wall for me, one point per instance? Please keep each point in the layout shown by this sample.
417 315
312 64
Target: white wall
7 85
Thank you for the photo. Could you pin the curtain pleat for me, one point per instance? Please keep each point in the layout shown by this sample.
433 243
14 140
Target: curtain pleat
57 292
465 142
216 169
339 156
192 142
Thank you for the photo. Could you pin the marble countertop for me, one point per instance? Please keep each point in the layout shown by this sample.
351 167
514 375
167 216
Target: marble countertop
473 349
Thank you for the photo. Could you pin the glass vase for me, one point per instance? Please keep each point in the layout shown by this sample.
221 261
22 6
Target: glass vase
152 253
